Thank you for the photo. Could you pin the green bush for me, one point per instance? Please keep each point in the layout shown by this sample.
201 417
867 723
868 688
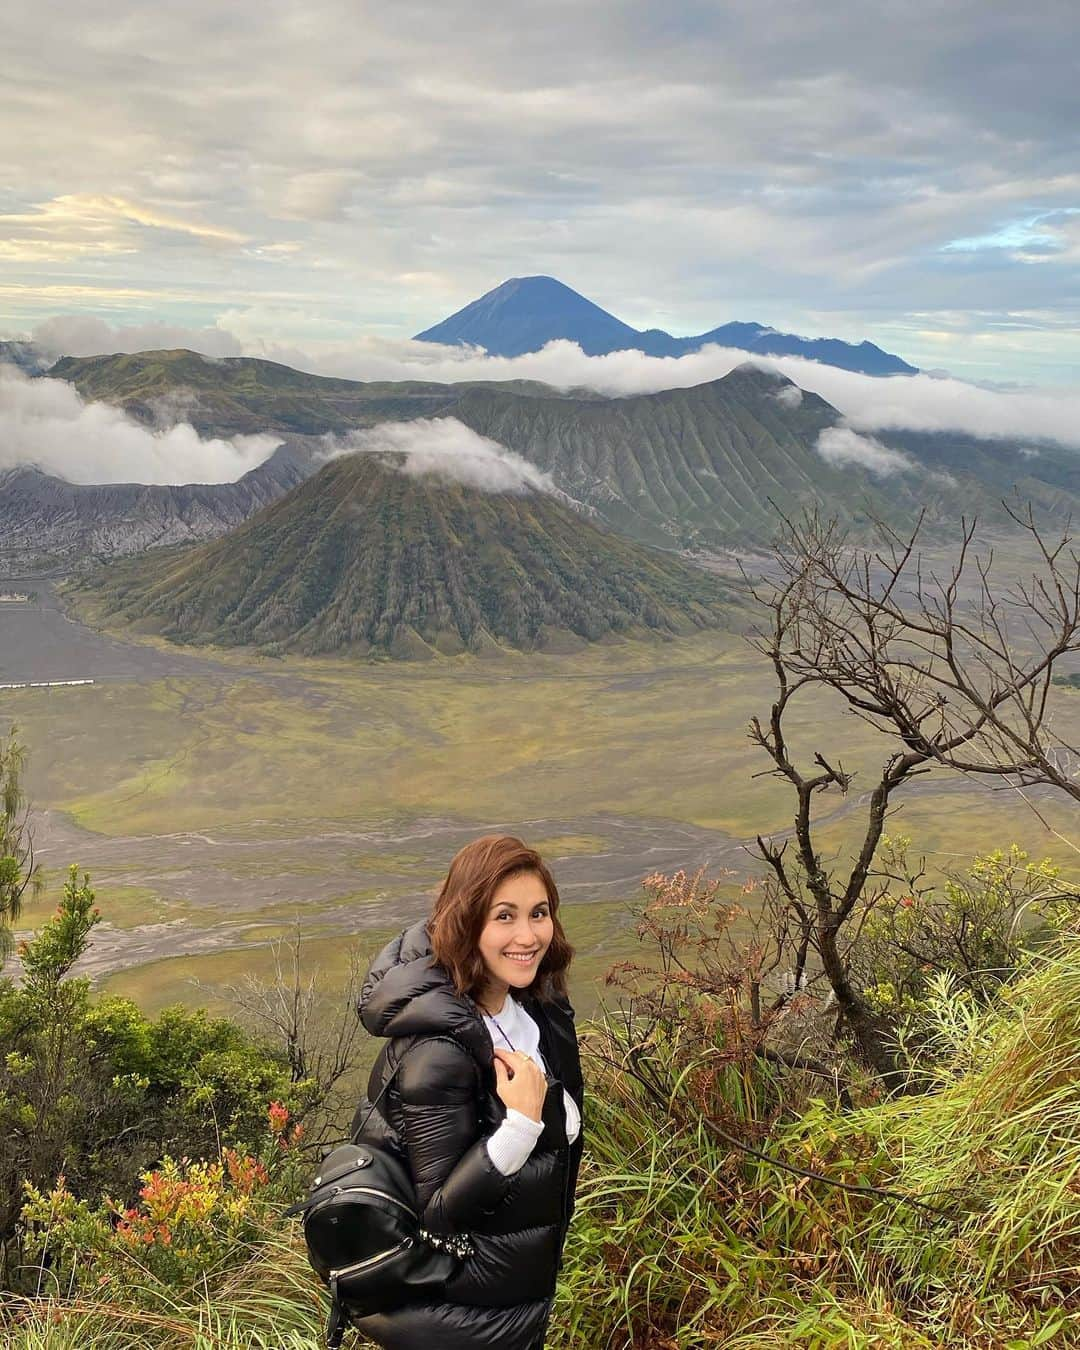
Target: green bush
192 1224
93 1089
977 926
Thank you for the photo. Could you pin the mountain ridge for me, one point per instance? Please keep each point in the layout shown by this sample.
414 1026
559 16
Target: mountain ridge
694 468
522 314
686 468
49 522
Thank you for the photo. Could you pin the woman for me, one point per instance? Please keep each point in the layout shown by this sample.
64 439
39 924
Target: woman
488 1103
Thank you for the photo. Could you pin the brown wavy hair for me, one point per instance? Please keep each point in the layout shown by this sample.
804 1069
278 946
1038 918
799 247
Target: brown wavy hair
461 911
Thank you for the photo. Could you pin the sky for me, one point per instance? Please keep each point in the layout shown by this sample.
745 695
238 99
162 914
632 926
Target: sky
325 175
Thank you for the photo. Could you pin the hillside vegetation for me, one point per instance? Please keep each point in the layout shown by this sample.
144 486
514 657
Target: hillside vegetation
695 466
235 395
366 559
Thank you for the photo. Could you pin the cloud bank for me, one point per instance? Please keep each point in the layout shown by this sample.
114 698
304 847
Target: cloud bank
86 335
45 423
921 402
914 402
451 451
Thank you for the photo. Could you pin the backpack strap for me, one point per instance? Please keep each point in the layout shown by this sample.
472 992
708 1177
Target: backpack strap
413 1040
382 1091
337 1323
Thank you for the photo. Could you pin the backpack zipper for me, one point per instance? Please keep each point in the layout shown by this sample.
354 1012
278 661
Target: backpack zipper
371 1260
362 1190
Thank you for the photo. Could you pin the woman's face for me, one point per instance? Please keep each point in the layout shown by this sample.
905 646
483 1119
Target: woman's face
519 921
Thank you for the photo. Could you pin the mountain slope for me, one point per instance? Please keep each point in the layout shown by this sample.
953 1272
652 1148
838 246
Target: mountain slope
524 313
50 523
363 558
682 468
27 357
696 467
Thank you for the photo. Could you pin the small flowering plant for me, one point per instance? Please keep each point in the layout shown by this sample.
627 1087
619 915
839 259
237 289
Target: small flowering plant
193 1221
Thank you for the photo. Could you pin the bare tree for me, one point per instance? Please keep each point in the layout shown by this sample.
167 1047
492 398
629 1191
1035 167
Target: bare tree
710 967
320 1042
954 668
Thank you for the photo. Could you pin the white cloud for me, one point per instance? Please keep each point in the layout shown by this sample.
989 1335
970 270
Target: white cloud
447 448
841 446
76 225
915 402
790 396
930 403
45 423
85 335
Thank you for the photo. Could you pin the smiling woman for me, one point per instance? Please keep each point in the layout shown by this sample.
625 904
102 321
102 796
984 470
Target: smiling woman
477 995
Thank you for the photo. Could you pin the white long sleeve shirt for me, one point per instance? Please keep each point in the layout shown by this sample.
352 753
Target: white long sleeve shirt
510 1146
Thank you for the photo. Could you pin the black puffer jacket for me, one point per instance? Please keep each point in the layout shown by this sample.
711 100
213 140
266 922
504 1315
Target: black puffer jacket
443 1106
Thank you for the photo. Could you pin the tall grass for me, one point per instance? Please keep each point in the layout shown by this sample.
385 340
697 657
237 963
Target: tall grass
679 1241
270 1302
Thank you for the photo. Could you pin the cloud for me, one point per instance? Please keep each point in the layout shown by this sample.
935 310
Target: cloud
448 449
921 402
913 402
930 403
76 224
841 446
45 423
85 335
790 396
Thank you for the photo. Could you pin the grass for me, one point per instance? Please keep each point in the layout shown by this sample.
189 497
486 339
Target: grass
524 737
677 1241
128 906
272 1303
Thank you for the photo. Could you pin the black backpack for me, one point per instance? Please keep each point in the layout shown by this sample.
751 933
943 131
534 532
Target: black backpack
363 1233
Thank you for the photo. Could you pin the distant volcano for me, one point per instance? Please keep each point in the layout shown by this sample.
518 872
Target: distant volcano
524 313
364 559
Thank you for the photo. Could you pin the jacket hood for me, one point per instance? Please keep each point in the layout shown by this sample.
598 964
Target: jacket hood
406 993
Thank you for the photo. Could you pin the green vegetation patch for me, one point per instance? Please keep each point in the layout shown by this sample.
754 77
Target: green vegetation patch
127 906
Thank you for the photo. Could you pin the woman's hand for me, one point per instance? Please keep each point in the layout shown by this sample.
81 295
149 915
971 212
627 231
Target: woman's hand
520 1083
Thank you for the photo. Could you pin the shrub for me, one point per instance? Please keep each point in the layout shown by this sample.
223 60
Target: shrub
977 926
96 1090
